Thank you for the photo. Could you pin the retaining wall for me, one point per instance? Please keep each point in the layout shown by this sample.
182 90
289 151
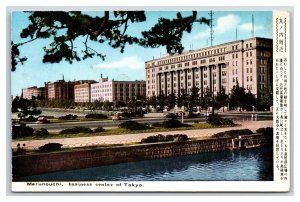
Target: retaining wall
25 165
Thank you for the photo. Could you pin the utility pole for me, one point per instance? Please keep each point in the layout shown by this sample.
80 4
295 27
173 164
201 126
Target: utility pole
211 13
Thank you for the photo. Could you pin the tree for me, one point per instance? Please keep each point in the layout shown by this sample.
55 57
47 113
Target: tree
67 29
205 101
237 97
106 105
170 101
221 99
152 101
24 107
250 101
193 98
161 101
266 98
182 99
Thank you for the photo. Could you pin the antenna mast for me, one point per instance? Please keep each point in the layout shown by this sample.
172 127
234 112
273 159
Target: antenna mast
211 13
252 31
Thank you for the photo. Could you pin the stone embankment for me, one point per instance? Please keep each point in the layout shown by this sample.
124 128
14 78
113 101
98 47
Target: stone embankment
25 165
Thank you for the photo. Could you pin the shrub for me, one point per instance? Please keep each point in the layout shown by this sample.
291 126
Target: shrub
232 133
21 131
227 122
180 138
265 131
98 129
156 124
41 132
96 116
172 123
50 147
214 119
68 117
76 130
167 138
217 120
132 125
150 139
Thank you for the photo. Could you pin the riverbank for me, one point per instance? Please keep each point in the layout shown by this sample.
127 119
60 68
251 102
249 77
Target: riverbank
26 165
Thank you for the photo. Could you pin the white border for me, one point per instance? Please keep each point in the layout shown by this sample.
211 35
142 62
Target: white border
292 196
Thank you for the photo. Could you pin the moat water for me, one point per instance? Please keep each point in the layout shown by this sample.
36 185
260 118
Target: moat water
243 165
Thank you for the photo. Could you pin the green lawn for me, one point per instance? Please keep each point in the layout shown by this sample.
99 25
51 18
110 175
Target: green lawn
120 131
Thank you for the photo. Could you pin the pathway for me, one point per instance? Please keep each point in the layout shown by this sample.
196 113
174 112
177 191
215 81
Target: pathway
129 138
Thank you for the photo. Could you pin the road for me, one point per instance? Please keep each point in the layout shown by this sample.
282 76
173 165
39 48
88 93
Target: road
129 138
111 124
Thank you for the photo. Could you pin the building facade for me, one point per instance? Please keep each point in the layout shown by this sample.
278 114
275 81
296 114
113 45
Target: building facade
114 91
29 93
82 91
244 62
60 90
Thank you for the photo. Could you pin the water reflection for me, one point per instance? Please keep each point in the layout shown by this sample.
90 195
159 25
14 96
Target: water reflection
253 164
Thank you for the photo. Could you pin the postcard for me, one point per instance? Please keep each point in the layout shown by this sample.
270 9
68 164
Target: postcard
150 101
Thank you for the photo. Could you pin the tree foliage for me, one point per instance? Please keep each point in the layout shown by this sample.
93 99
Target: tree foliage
24 107
66 29
240 99
221 99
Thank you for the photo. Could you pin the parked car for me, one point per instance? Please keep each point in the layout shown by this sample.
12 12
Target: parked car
42 120
116 117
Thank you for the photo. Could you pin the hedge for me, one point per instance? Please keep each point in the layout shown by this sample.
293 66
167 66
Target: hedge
232 133
76 130
167 138
133 125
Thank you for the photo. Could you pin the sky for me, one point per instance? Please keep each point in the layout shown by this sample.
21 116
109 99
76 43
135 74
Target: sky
129 65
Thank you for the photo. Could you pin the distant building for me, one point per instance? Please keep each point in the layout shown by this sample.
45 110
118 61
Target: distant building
114 91
33 92
82 91
246 62
60 90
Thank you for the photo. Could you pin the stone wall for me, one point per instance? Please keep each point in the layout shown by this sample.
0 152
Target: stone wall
25 165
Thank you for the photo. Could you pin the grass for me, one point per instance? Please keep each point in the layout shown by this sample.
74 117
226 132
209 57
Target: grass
121 131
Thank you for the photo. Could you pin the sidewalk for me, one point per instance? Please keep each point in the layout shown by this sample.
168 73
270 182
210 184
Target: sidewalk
129 138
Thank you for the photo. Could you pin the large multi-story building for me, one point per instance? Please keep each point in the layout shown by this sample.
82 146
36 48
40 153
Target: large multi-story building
114 91
29 93
82 91
60 90
246 62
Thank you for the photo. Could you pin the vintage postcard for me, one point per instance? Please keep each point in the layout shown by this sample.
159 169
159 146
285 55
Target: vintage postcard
150 101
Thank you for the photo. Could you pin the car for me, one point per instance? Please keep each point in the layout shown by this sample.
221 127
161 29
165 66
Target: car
116 117
42 120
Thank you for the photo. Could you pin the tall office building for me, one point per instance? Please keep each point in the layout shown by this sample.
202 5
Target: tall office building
246 62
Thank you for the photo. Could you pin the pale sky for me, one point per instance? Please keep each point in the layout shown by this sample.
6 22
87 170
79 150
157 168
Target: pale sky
130 64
